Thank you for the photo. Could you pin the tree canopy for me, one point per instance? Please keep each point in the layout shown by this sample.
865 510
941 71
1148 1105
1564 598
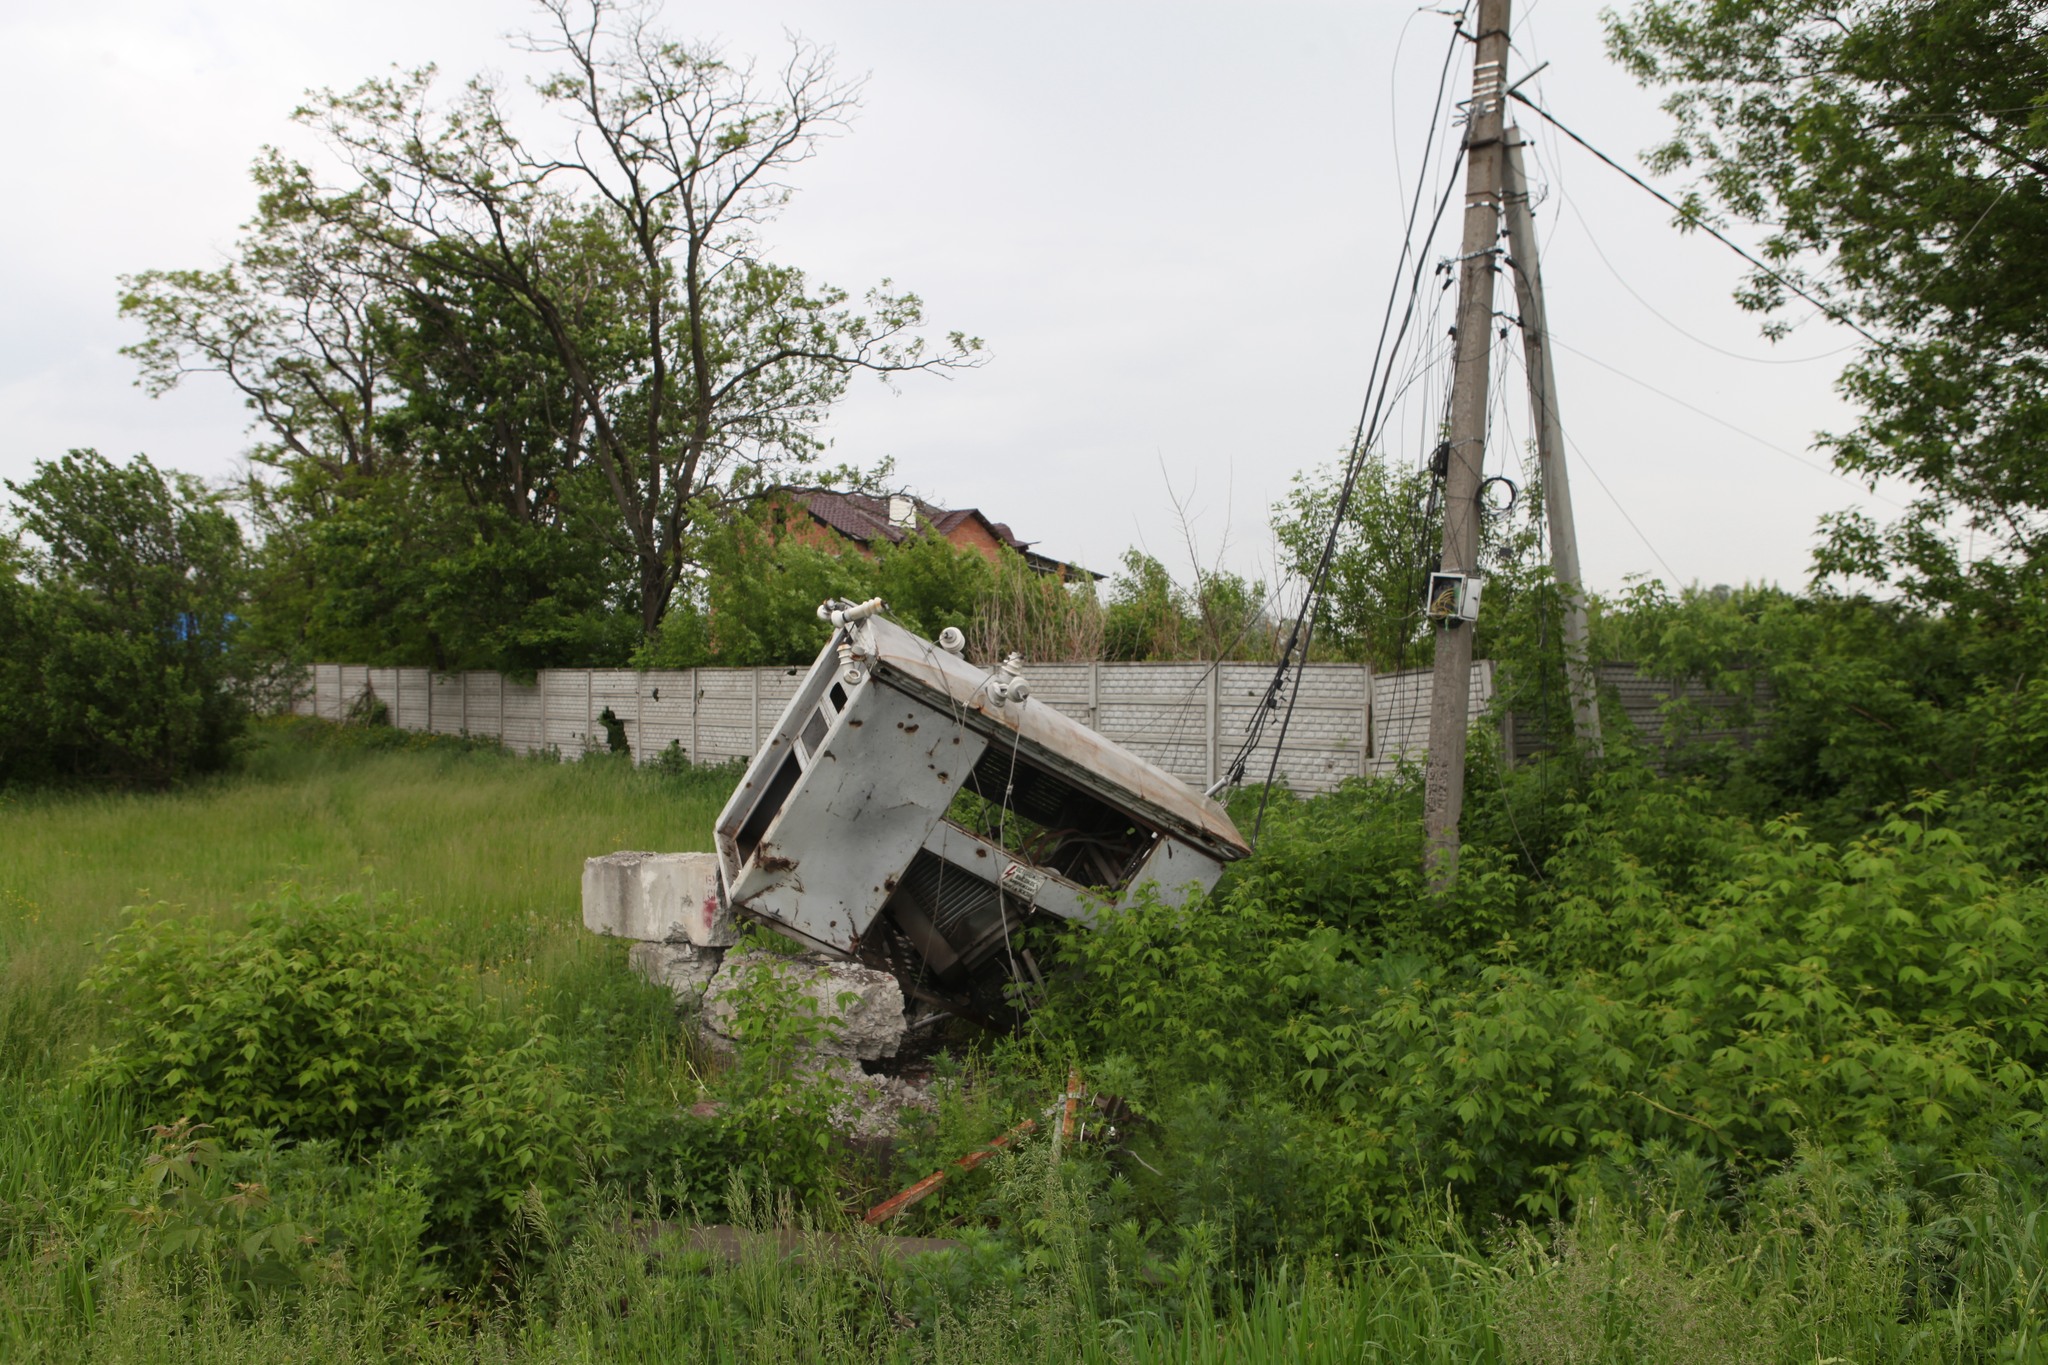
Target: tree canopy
1895 151
509 368
119 586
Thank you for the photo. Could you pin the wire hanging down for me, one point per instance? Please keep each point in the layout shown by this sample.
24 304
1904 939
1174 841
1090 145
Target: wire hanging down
1371 414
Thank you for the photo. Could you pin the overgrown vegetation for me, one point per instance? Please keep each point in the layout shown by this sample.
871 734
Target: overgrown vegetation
119 587
1715 1052
1662 1081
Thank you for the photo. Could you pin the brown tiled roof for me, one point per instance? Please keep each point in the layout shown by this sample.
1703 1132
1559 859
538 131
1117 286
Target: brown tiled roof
861 517
864 517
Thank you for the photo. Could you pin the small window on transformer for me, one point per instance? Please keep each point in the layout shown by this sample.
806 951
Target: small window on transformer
814 732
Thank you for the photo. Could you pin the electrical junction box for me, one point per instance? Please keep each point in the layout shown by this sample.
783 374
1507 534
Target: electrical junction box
913 811
1455 596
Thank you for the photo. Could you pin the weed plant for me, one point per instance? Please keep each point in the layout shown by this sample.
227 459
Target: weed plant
1661 1082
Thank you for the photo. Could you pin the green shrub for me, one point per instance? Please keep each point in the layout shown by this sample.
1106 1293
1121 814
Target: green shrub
1678 980
776 1119
317 1021
512 1137
322 1022
120 618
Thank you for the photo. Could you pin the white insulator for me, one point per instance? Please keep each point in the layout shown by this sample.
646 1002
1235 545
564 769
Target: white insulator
951 640
1008 684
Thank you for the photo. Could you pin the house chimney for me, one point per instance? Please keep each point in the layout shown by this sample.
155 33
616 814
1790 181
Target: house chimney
902 512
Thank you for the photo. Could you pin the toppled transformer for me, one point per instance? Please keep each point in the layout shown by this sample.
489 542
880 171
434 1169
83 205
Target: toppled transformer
913 811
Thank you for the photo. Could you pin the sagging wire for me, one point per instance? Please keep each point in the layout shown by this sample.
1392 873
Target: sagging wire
1692 217
1301 633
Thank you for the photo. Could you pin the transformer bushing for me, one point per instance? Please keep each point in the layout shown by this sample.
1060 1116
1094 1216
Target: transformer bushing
915 812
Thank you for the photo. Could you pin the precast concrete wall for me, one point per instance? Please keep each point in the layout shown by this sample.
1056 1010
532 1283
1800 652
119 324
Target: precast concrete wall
1189 718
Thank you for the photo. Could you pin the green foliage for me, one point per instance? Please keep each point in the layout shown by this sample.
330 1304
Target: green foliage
1677 979
1893 152
1150 616
512 1133
1041 616
185 1222
316 1021
930 583
120 612
511 394
1371 608
776 1119
758 600
1779 1091
1858 705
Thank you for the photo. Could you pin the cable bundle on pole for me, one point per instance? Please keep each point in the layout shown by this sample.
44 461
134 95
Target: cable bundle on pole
1372 414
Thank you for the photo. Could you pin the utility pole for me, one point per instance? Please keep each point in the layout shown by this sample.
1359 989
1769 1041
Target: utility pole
1557 488
1465 455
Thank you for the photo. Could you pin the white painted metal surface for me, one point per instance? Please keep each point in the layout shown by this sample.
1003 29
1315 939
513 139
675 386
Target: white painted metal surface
846 830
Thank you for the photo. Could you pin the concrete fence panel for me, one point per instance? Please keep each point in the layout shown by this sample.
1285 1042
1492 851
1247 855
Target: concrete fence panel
1189 718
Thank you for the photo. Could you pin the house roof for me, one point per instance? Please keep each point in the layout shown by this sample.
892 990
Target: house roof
864 517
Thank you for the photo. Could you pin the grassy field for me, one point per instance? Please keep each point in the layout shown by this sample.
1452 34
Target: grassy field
482 849
482 852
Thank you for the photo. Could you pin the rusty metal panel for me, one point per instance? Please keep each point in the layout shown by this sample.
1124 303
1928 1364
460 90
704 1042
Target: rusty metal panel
836 804
847 832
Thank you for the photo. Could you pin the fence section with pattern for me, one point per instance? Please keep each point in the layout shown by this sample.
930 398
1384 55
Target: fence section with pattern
1189 718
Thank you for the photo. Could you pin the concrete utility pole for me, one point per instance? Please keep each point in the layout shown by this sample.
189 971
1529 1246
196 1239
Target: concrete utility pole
1450 694
1557 488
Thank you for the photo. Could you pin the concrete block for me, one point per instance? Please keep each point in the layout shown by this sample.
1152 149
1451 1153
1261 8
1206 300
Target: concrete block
683 967
870 1022
657 898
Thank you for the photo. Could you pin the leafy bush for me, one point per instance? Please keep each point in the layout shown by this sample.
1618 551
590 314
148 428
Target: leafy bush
776 1120
320 1022
317 1021
1678 980
119 611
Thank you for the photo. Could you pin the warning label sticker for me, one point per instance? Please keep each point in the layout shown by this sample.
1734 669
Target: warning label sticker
1021 882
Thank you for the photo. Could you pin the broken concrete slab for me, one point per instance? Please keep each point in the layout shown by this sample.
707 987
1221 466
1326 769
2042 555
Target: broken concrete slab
684 968
657 898
865 1005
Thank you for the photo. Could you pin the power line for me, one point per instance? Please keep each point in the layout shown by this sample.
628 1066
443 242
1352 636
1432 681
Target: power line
1722 421
1652 309
1617 503
1690 217
1370 411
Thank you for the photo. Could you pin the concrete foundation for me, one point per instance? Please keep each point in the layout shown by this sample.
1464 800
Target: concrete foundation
866 1005
657 898
684 968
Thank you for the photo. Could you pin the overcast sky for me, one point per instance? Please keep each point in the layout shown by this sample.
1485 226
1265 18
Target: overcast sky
1175 224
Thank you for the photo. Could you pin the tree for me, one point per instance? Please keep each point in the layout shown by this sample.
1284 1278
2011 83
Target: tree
1371 607
575 328
1897 154
289 323
1151 616
719 365
120 606
756 601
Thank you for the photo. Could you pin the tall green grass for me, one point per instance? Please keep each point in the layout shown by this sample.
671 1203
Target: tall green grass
1815 1263
484 848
